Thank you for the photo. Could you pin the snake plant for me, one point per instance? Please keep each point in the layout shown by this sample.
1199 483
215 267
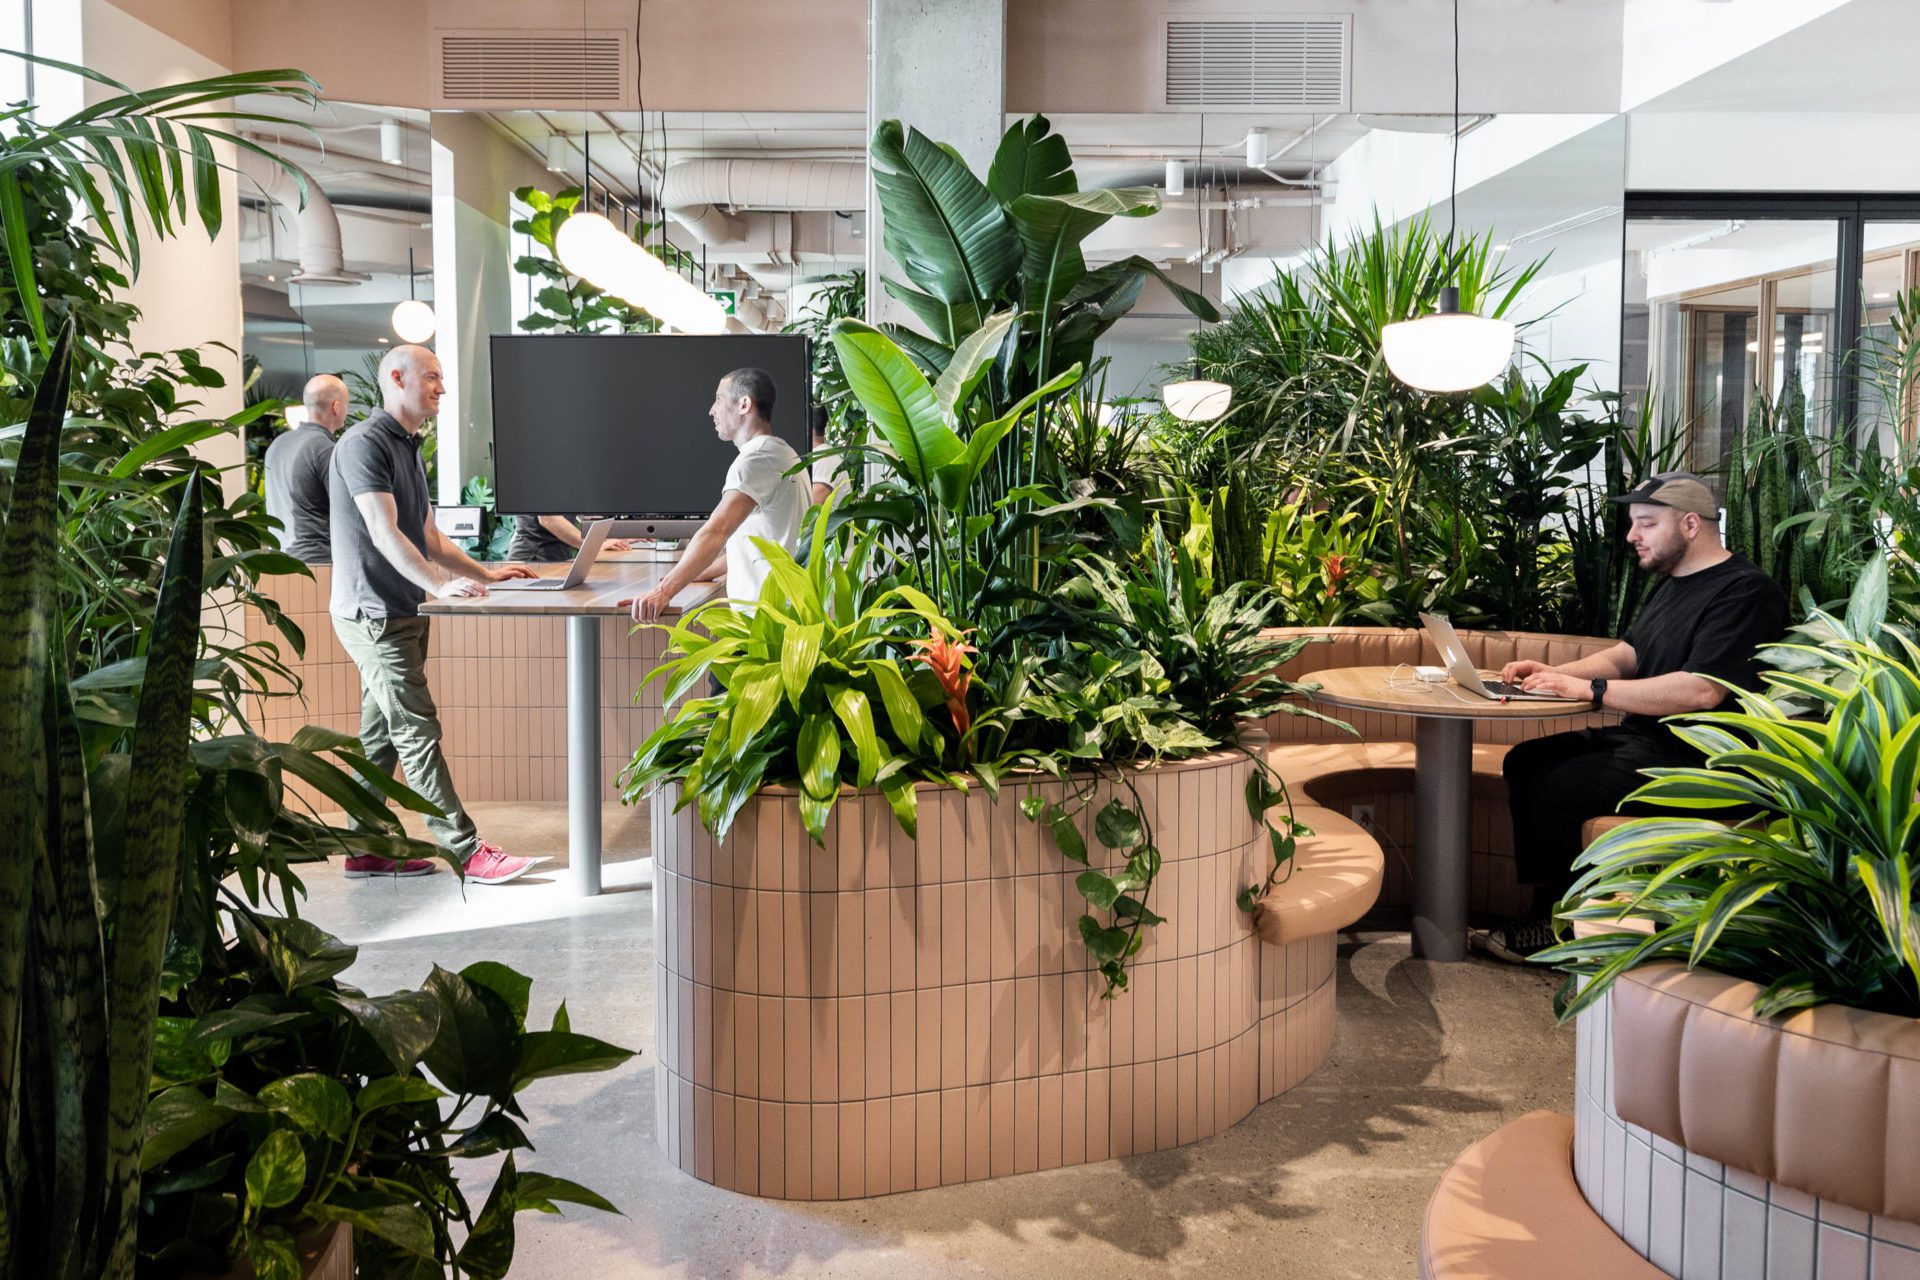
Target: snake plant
80 961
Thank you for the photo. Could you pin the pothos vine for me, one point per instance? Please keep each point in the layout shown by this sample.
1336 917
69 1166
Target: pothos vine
1123 827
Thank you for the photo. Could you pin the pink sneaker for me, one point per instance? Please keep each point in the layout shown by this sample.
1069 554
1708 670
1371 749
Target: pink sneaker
366 866
490 865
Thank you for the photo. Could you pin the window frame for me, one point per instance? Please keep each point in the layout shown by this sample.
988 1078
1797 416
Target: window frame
1850 210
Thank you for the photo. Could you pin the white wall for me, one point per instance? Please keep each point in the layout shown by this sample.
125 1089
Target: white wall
1764 151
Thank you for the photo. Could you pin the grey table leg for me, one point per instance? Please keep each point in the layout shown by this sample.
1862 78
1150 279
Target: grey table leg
583 753
1442 803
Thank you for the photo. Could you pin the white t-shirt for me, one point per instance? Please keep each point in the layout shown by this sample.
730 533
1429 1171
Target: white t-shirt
780 500
826 471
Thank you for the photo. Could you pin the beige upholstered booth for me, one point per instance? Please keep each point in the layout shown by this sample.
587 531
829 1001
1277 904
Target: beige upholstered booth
1329 768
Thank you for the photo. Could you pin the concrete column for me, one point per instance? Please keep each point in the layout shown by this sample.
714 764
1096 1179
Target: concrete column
939 66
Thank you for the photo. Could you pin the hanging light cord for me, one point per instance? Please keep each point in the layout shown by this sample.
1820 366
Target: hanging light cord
1453 178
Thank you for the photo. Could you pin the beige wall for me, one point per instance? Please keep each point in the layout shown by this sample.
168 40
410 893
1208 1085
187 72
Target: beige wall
731 55
359 50
204 26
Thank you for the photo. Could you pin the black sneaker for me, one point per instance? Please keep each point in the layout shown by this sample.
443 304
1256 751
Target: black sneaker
1516 940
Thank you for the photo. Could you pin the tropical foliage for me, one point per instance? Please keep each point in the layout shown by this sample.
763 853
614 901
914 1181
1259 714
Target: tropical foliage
155 831
1808 889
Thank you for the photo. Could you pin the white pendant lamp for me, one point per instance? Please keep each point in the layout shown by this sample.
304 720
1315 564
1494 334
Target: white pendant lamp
413 320
1196 399
1451 349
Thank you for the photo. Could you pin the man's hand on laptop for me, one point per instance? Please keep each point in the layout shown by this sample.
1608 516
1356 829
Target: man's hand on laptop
1515 672
614 546
458 587
506 571
1558 683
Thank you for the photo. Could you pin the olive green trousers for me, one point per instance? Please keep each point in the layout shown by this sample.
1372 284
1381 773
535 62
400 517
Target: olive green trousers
399 723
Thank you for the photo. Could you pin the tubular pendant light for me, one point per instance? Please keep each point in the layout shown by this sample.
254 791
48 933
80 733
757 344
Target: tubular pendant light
1176 177
1450 350
1197 399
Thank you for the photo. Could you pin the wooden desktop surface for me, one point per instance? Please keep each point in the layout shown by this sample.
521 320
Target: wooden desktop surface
1395 689
613 578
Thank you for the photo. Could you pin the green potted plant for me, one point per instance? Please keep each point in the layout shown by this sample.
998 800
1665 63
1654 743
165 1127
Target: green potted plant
1776 952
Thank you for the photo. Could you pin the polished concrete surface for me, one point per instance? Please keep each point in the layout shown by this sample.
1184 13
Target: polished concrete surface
1329 1180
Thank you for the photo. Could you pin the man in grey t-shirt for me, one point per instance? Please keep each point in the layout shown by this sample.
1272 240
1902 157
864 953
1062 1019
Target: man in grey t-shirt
297 464
387 556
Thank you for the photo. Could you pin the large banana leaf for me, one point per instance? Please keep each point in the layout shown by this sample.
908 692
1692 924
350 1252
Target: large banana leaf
941 223
1051 229
1032 160
898 399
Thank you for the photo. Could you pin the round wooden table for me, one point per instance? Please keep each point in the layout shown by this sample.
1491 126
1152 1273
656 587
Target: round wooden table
1443 716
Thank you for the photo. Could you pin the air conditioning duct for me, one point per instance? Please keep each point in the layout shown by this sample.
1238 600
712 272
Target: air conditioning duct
315 223
715 199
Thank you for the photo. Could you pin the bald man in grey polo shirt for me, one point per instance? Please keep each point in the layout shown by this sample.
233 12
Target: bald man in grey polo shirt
388 555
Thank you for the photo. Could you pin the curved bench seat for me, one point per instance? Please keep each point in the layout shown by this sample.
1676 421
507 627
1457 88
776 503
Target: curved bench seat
1335 880
1509 1209
1303 764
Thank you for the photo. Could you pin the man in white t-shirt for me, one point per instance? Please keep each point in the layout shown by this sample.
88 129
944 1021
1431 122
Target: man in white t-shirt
760 500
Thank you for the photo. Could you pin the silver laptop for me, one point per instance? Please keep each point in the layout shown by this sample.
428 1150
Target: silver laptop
1461 668
576 575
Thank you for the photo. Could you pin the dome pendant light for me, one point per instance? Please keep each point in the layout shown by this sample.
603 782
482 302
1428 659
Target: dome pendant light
1196 399
413 320
1451 349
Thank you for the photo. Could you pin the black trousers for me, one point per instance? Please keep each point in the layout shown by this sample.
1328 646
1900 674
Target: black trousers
1556 783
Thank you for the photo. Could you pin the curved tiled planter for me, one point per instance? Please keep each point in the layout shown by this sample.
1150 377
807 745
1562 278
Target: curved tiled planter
886 1013
1720 1145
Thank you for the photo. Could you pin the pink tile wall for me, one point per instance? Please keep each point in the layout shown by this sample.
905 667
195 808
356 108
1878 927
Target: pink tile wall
914 1013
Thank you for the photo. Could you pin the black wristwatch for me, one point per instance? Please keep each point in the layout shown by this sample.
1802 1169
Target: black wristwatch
1599 692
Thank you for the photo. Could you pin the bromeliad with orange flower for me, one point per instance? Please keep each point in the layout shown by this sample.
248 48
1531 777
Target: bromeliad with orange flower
947 659
820 688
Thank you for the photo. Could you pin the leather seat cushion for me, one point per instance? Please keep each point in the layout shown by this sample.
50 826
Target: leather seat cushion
1334 880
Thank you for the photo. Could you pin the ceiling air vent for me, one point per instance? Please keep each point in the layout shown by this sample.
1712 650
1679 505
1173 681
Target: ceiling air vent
533 68
1258 62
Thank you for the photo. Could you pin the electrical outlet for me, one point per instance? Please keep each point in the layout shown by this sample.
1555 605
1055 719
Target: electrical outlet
1363 814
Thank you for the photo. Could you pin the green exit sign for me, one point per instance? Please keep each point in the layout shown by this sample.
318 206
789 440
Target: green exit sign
727 298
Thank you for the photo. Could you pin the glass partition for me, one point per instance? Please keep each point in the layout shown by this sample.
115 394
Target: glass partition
1734 310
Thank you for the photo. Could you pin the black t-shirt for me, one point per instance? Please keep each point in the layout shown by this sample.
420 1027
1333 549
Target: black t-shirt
533 544
1708 623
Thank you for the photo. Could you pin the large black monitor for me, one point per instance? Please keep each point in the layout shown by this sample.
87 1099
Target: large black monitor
617 424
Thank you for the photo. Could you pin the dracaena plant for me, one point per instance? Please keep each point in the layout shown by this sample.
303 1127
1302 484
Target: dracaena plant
1808 888
817 688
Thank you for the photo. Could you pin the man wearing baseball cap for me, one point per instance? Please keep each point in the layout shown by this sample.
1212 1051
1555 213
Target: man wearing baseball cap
1706 618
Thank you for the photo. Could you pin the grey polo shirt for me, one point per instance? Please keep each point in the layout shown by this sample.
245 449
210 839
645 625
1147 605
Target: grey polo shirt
297 464
376 456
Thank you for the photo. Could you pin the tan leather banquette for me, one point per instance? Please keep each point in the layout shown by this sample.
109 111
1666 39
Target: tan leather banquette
1330 769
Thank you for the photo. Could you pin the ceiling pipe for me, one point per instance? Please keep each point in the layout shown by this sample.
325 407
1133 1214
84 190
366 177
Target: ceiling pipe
314 220
708 197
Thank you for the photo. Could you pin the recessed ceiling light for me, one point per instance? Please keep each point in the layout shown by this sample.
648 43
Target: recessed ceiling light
1876 297
381 341
272 280
1501 248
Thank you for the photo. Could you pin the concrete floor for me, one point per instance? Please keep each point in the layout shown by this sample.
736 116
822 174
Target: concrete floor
1329 1180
